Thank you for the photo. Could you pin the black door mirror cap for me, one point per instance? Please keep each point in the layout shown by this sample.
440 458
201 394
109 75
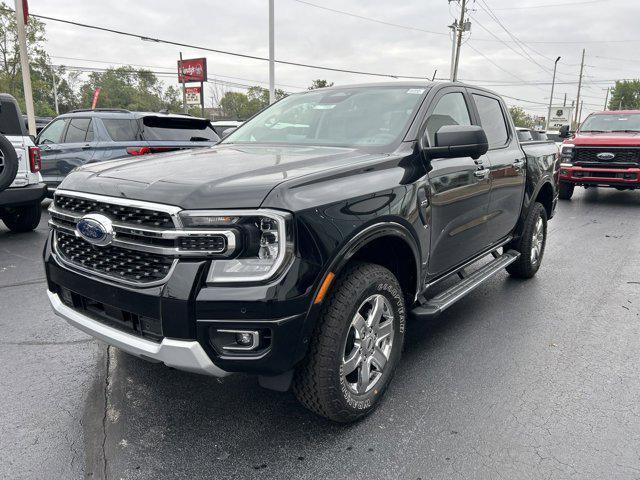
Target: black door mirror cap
452 141
564 132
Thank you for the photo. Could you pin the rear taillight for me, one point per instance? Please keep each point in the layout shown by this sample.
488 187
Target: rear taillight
136 151
35 162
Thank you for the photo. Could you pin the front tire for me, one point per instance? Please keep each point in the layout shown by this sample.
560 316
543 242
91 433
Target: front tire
22 219
531 244
356 345
565 190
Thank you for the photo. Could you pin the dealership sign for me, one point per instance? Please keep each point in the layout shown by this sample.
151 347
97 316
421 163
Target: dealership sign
193 95
195 70
559 116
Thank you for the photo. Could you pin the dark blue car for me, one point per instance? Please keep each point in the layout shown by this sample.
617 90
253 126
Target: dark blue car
84 136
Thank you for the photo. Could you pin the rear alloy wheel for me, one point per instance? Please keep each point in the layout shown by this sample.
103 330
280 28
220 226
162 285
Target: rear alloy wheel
565 191
356 345
531 244
22 219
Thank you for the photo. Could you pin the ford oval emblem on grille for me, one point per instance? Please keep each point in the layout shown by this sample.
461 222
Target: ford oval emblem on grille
95 229
606 156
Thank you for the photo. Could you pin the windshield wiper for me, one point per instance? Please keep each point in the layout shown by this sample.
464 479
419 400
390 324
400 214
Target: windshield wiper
199 139
594 131
627 131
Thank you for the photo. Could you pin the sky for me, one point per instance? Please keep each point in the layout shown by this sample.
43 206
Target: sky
511 47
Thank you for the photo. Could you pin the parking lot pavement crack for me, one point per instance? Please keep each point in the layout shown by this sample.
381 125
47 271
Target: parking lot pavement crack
107 379
35 281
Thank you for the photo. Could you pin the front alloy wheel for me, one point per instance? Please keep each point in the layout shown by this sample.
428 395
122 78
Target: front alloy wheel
368 345
531 244
356 345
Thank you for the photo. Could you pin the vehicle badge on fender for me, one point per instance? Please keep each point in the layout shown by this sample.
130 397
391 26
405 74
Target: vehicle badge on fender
606 156
95 229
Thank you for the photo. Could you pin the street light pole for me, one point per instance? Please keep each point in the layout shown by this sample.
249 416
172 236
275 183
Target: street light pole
272 70
553 84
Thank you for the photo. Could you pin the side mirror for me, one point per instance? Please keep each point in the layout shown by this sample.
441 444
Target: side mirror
228 131
564 131
453 141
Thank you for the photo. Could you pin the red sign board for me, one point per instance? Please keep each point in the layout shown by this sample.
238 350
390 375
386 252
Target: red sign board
193 95
195 70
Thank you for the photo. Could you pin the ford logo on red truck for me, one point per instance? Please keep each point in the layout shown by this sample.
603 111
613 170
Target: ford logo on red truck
604 152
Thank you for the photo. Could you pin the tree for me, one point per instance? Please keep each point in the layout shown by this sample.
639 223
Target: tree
521 118
240 106
625 95
320 84
126 87
40 66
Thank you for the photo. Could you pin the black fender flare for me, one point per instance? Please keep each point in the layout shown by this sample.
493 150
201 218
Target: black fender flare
527 203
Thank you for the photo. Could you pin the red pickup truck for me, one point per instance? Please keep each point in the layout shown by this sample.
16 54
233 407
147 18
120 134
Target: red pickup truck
604 152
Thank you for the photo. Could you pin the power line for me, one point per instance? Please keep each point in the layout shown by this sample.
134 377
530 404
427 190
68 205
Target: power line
369 19
549 5
224 52
172 69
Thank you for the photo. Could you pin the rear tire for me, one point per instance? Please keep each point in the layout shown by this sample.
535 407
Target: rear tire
531 244
22 219
565 192
8 163
356 345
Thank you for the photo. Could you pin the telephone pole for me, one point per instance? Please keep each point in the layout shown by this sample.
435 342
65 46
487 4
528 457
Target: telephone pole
606 98
454 38
461 28
579 88
272 69
21 20
553 84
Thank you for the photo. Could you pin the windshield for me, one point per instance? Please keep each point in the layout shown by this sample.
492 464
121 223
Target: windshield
350 117
612 123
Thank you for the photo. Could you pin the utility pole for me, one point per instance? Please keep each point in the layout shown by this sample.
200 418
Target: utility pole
580 114
564 104
24 66
454 31
55 90
184 87
272 69
606 98
579 88
553 84
461 27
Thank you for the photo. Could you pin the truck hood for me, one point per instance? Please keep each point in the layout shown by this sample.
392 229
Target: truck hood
619 139
224 176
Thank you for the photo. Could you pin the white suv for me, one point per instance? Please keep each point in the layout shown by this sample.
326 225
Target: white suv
21 186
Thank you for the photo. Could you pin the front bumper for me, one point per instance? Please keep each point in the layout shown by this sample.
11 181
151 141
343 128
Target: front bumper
180 354
19 196
188 310
620 177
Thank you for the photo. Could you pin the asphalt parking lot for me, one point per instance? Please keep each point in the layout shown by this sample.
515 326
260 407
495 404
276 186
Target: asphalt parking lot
520 380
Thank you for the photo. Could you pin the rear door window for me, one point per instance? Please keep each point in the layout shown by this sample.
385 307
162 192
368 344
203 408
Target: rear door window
78 130
121 129
178 129
53 132
492 120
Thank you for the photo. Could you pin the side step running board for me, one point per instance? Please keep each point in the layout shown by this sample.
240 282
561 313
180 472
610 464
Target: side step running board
447 298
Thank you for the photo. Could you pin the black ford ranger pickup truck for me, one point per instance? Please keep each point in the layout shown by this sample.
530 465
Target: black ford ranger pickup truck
297 247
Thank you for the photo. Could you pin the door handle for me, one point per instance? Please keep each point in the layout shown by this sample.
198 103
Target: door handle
482 173
518 164
86 147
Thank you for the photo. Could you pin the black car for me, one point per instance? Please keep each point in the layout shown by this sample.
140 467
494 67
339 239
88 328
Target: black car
87 136
297 247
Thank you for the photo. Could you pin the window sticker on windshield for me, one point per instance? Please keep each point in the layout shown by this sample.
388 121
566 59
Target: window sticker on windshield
416 91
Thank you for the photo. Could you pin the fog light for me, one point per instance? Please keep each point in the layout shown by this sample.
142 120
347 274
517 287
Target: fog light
244 339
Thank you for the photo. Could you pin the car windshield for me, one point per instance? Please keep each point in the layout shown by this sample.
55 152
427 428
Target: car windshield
349 117
612 123
178 129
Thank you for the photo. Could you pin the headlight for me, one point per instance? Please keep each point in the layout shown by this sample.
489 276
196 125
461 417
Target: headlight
264 242
566 153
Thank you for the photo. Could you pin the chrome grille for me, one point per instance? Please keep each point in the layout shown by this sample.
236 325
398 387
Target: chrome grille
138 253
121 213
115 262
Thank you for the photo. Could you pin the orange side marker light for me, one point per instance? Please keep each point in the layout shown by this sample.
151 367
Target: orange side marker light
324 288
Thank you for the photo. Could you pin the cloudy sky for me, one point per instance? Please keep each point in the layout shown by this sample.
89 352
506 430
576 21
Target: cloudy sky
511 47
